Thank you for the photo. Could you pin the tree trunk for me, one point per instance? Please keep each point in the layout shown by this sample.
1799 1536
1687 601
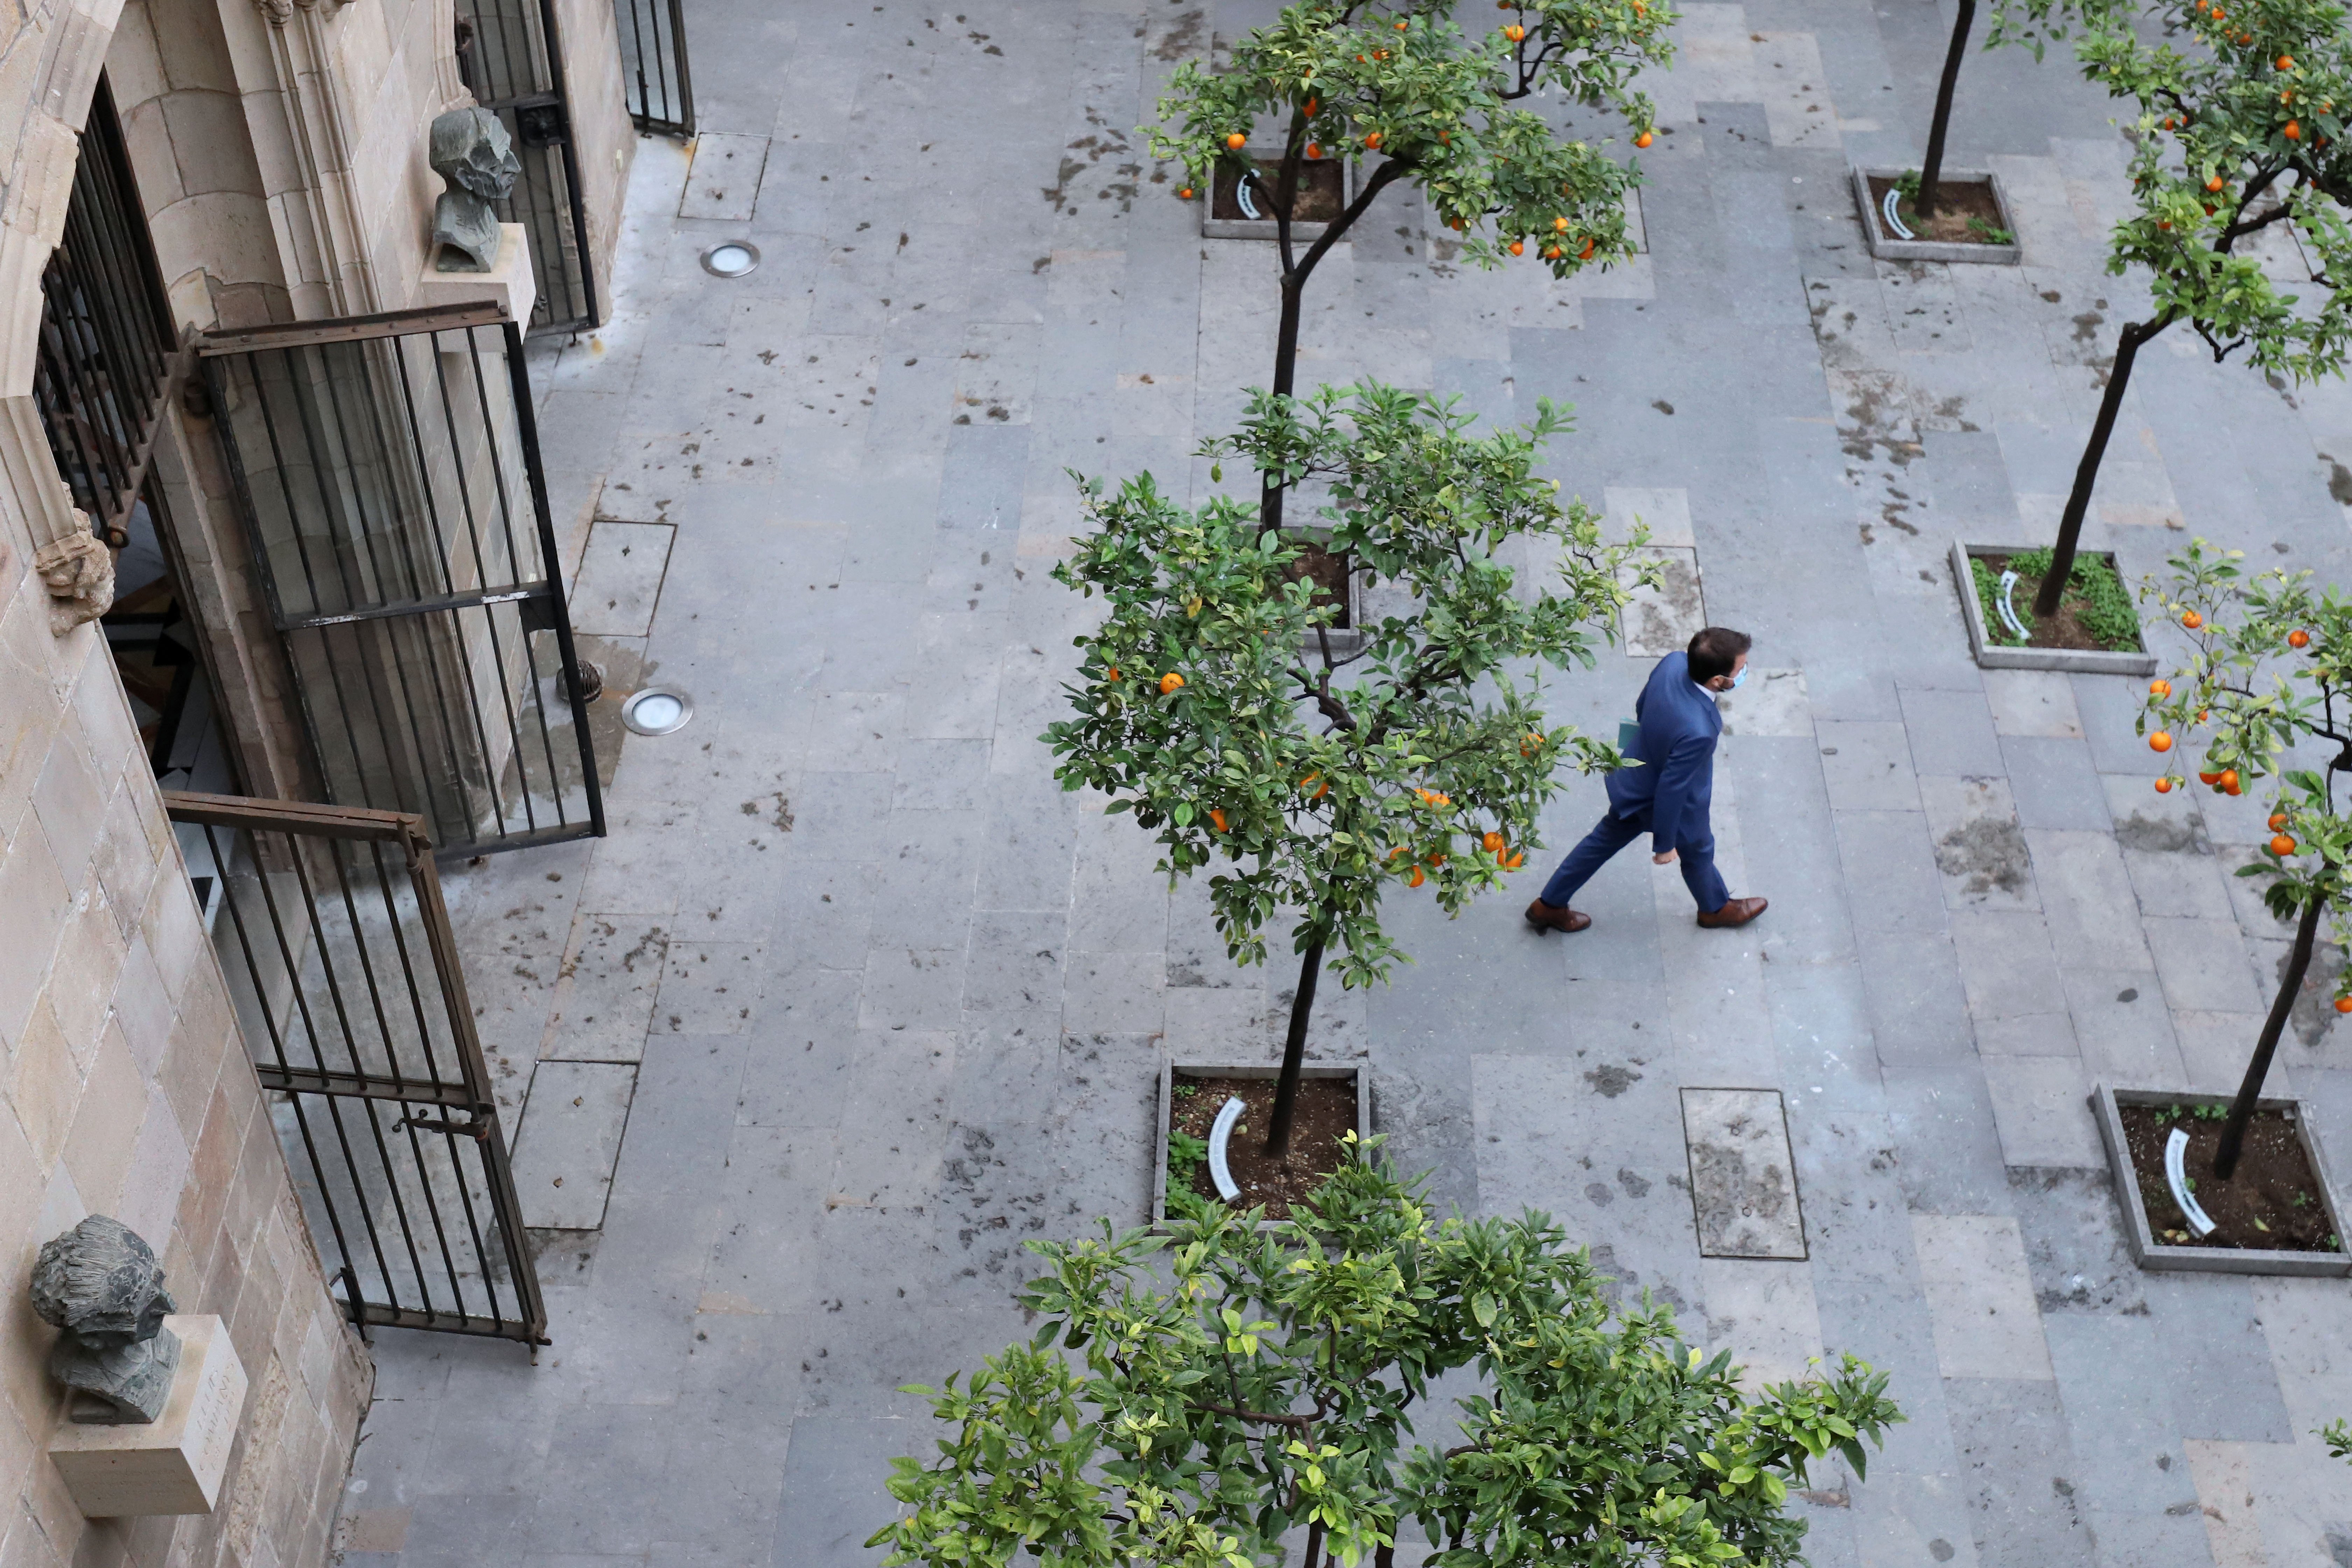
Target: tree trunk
2086 472
1285 376
2241 1110
1294 1052
1924 205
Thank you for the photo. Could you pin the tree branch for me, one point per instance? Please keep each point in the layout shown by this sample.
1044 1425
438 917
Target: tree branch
1304 1422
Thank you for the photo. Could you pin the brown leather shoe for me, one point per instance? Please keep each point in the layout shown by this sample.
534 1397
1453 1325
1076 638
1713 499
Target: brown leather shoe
1551 917
1734 912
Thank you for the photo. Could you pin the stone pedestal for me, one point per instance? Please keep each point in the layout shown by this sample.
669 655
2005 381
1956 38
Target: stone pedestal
509 284
174 1464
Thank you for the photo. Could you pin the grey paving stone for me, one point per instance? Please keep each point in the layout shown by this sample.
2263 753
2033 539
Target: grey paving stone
1980 849
1918 1012
2203 962
2229 1390
2086 893
833 1495
1891 872
2053 783
1941 1119
1867 766
2039 1104
1951 733
569 1141
2018 1471
2124 1032
2006 964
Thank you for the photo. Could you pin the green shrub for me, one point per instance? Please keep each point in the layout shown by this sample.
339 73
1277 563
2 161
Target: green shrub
2095 592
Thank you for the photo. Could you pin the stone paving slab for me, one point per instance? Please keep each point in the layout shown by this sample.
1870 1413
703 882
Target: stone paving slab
894 1003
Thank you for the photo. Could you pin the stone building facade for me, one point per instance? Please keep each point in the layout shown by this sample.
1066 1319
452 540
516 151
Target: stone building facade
279 148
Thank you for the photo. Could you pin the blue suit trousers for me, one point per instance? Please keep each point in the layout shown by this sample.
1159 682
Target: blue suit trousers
1613 832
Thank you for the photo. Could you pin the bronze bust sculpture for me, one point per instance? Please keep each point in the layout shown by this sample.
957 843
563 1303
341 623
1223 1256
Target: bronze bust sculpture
101 1284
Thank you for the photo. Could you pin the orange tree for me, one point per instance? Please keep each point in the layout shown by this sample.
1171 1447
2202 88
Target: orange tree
1214 705
2241 122
1228 1397
2269 673
1406 89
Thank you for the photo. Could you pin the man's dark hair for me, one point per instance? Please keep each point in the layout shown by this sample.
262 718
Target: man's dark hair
1715 650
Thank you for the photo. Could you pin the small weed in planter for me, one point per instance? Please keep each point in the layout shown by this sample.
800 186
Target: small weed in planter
1186 1154
2097 612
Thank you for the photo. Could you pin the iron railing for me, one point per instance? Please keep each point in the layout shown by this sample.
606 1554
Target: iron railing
653 65
512 58
348 988
387 469
109 357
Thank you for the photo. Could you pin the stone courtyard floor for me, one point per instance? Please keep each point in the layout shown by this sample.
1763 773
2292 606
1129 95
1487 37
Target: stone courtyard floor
854 999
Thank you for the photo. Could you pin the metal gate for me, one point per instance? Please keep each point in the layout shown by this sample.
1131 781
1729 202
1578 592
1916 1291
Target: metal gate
653 63
387 470
510 57
108 358
346 982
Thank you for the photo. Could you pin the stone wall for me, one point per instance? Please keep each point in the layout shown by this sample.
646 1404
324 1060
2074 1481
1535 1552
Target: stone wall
604 141
127 1091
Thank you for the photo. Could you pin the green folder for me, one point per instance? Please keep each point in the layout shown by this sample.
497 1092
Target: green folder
1629 735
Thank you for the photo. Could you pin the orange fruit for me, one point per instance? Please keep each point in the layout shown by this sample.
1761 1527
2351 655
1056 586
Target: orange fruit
1491 842
2344 1003
2278 820
1185 194
1396 852
1559 225
2286 62
1437 860
1313 151
1322 786
1235 140
2293 132
1644 139
1455 224
1518 248
2164 223
2214 183
2159 689
1432 798
2282 845
1518 859
1401 27
1417 879
2164 786
2298 638
2192 620
2213 779
1170 683
2160 742
1586 253
1114 672
1515 31
1218 818
2203 714
1528 745
1372 141
1310 106
2230 780
1551 253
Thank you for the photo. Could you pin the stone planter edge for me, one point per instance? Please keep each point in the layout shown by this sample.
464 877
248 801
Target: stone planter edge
1886 248
2154 1256
1991 656
1169 1067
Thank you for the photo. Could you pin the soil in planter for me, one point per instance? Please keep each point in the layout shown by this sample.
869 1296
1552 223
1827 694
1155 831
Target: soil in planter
2272 1204
1320 198
1328 573
1966 214
2095 612
1326 1110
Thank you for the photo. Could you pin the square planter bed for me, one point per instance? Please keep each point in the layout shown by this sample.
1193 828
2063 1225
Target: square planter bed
1325 186
1350 1107
2168 1243
1974 193
1335 578
1991 655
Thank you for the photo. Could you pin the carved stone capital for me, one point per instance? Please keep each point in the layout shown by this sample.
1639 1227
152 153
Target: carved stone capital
277 13
79 573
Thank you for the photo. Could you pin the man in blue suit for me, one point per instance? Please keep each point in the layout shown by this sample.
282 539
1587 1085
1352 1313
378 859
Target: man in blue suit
1667 797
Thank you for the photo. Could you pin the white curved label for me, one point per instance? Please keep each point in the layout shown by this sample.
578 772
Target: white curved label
2176 1148
1219 1134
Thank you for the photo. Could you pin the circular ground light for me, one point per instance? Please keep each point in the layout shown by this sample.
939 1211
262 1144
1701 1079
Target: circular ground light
730 258
657 710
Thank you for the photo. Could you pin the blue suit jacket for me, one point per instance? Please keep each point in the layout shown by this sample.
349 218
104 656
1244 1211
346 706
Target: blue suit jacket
1679 723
